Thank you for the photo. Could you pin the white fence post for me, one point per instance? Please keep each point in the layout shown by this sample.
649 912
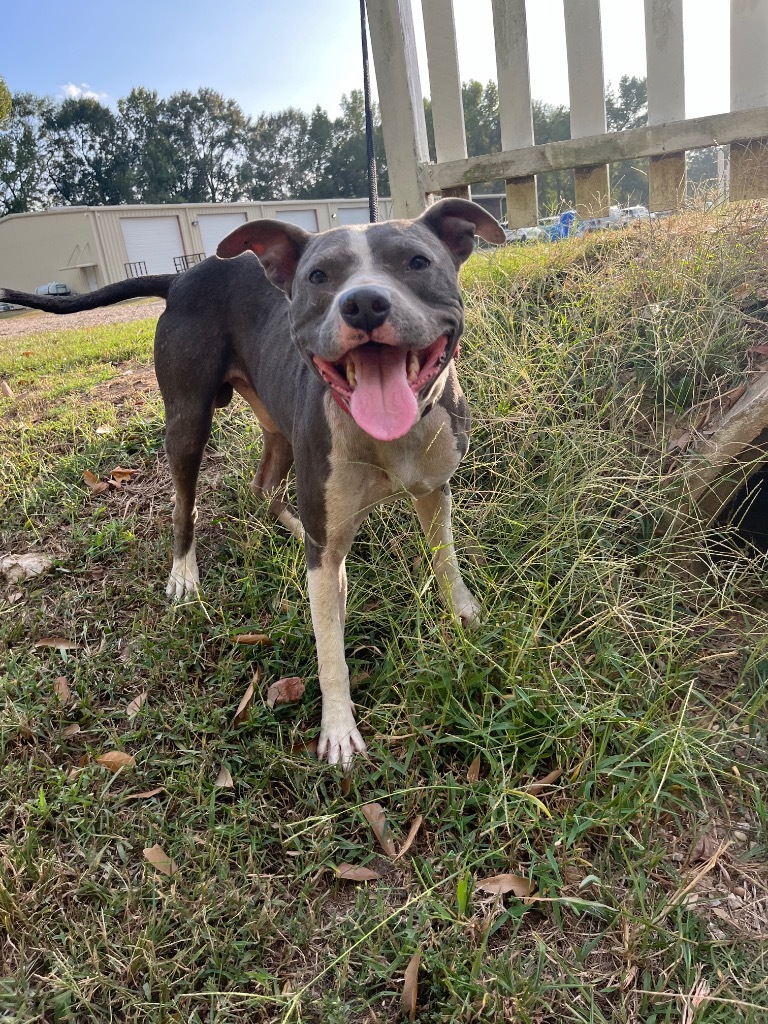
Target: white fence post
749 89
510 30
401 102
666 97
445 85
586 86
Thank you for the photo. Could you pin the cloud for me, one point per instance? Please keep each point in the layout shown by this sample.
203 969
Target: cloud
81 92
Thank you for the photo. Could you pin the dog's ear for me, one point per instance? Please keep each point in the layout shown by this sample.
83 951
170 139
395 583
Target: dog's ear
279 247
457 221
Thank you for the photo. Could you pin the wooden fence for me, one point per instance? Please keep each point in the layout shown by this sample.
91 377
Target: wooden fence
591 148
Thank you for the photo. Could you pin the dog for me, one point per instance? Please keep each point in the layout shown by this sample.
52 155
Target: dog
343 343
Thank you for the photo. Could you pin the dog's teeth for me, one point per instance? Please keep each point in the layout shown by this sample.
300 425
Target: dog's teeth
351 378
413 367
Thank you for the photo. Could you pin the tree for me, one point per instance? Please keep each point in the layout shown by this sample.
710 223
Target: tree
86 154
24 181
5 103
628 108
151 152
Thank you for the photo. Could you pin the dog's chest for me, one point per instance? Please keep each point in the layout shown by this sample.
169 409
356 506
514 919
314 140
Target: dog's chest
365 472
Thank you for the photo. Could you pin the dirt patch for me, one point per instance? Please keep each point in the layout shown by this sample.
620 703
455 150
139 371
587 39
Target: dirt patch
35 322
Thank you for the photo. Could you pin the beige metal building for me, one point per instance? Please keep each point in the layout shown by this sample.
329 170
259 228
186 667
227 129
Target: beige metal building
86 247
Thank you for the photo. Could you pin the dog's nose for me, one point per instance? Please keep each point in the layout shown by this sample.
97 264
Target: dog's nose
365 308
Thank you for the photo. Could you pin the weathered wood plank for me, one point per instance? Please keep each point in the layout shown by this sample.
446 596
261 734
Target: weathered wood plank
749 89
400 98
666 97
586 87
653 140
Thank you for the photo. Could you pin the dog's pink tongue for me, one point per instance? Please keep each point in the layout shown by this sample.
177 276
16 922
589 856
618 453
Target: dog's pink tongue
382 402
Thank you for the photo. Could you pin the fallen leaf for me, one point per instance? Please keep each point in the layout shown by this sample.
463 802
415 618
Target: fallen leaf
146 794
285 691
706 846
500 884
118 476
6 389
411 986
114 760
55 641
97 486
536 787
741 291
244 707
258 639
104 429
136 704
29 352
70 730
474 770
758 350
61 689
20 566
305 747
159 859
410 837
374 815
352 873
346 785
224 780
680 441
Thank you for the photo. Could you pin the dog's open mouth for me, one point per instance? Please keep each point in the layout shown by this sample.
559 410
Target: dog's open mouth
380 384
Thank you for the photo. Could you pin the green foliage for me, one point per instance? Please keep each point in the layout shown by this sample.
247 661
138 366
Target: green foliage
5 103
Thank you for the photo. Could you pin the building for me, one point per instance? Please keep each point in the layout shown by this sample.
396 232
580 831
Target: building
87 247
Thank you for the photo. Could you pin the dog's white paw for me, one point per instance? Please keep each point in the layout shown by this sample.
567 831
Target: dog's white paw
339 739
184 578
465 607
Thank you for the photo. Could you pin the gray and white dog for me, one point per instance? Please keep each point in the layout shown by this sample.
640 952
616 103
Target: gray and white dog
343 344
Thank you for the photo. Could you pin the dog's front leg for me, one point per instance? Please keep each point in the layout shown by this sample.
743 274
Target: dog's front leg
434 512
327 576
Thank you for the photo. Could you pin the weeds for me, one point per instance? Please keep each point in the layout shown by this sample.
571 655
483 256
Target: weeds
602 654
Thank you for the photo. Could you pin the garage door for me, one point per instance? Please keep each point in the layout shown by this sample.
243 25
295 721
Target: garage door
306 219
154 241
215 226
353 215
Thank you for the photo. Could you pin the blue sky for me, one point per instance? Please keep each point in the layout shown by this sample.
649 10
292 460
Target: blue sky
269 55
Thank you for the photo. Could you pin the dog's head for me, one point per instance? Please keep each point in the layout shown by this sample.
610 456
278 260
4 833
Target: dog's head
375 309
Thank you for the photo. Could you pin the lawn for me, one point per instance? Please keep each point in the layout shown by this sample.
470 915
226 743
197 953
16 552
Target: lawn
599 741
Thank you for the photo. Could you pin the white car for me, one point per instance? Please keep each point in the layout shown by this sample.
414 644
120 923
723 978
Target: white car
522 235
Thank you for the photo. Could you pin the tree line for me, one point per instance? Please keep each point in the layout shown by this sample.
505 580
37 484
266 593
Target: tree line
202 147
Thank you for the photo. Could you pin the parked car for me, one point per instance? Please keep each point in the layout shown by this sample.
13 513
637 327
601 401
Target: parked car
53 288
634 214
8 307
521 235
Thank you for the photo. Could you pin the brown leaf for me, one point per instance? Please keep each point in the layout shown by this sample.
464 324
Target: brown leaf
374 815
97 486
224 780
61 689
146 794
118 476
305 747
6 389
474 770
741 291
411 986
55 641
353 873
244 707
159 859
70 730
258 639
105 429
410 837
135 705
285 691
536 787
18 567
758 350
500 884
706 846
114 760
346 785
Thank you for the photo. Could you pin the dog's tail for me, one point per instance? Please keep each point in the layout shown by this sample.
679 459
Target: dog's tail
155 285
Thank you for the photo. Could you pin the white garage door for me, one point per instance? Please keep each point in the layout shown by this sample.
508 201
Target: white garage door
215 226
306 219
154 241
352 215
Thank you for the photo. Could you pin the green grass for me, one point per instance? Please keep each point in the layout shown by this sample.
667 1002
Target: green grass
634 661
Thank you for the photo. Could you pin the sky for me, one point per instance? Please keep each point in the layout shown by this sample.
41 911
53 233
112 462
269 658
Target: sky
268 55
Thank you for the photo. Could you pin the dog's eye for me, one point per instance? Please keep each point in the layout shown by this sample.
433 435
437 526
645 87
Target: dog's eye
419 263
318 277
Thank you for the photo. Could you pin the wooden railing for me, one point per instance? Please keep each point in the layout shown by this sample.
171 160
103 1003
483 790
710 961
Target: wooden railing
591 149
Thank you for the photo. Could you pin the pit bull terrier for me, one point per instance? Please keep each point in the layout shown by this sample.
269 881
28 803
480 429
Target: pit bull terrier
343 344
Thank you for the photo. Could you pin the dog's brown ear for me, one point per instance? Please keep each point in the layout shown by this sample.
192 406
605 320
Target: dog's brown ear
279 247
457 221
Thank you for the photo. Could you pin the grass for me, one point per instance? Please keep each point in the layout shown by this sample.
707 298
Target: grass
632 661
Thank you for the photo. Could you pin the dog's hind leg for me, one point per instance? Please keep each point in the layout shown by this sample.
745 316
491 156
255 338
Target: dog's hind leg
434 512
270 480
186 432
